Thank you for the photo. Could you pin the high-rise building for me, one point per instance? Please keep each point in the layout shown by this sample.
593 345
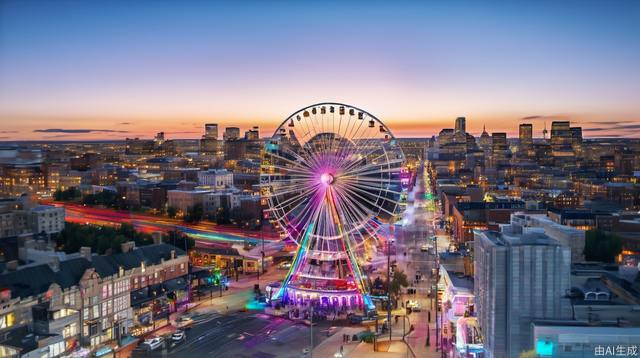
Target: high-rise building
461 125
231 133
561 139
526 135
499 148
576 140
209 142
252 134
211 131
518 279
485 140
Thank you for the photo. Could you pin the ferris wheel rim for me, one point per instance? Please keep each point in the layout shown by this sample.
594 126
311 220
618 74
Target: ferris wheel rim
291 116
294 224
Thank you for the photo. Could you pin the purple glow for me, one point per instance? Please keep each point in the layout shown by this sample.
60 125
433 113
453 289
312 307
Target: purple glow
326 178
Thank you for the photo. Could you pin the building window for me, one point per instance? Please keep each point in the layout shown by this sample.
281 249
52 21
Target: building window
70 330
93 329
56 349
7 320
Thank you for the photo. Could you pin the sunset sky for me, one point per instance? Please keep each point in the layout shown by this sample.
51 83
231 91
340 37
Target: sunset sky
108 70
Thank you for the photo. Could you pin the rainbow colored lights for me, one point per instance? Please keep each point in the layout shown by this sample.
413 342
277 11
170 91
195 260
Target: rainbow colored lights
331 177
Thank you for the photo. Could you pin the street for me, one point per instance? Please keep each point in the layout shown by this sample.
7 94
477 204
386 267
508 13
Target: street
417 258
241 334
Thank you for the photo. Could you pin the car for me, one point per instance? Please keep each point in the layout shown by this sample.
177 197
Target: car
184 322
356 319
284 266
414 305
153 343
178 336
424 248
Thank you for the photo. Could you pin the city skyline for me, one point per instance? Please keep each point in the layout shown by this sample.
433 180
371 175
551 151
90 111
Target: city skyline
93 72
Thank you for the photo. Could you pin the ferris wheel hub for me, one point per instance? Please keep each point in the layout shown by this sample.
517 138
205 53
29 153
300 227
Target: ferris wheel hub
326 178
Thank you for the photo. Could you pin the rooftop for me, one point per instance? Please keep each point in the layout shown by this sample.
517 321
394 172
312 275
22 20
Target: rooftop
30 280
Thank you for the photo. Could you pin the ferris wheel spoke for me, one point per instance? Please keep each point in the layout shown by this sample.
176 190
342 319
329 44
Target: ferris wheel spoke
278 193
350 234
300 198
360 140
298 163
363 169
363 186
299 170
373 204
279 181
371 161
381 171
356 211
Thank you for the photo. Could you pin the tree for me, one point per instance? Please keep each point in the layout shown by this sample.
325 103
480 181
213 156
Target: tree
172 212
601 246
222 216
194 214
180 240
107 198
67 194
101 239
398 281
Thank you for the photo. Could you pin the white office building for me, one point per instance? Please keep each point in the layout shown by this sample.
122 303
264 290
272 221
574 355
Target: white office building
518 279
183 200
522 223
46 219
217 179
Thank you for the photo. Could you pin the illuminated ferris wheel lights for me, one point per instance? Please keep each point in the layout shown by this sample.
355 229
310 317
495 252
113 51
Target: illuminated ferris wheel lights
331 182
326 178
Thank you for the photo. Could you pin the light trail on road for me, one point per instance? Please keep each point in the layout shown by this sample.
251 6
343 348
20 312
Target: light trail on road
204 232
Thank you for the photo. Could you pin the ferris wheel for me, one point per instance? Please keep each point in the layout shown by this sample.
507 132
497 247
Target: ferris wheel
334 168
331 176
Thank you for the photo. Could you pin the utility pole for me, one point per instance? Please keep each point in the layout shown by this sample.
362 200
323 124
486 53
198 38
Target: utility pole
436 291
389 288
262 237
311 333
186 250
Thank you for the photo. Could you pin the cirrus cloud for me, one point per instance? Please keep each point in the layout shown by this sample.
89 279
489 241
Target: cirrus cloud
77 131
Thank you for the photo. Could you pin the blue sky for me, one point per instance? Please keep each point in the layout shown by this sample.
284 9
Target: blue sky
417 65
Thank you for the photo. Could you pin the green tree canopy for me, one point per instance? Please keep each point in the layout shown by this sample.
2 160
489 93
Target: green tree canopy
398 281
601 246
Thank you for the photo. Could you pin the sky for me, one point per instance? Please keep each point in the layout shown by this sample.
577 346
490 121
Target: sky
76 70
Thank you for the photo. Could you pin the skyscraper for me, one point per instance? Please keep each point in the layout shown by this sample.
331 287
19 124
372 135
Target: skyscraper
561 139
252 134
526 136
461 125
231 133
576 140
499 148
518 279
209 142
211 131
